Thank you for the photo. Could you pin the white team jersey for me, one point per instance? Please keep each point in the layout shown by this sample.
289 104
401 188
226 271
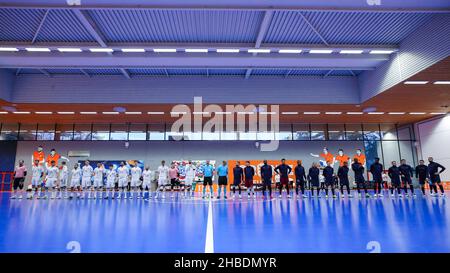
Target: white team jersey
111 175
147 176
98 173
52 172
163 172
37 171
63 172
123 172
190 171
87 171
76 174
136 173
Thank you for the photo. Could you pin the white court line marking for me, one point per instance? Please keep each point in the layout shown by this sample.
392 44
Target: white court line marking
209 243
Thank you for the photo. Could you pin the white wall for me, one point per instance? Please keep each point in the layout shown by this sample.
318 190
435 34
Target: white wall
434 140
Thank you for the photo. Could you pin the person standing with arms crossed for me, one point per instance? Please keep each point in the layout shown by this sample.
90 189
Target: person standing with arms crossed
266 176
284 170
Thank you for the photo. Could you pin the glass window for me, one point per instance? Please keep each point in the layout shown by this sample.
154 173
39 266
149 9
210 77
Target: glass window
285 132
192 136
137 132
46 132
267 135
353 132
407 151
405 133
390 152
371 132
247 135
336 132
301 132
9 131
100 132
372 149
156 131
27 132
228 136
211 136
388 131
318 131
119 132
82 132
64 132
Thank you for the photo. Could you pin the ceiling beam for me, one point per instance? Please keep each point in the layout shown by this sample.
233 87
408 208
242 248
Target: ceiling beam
261 33
36 33
328 73
142 60
45 72
248 73
276 5
90 26
243 47
85 73
314 29
125 73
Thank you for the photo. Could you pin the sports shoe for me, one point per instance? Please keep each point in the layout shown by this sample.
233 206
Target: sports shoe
350 196
335 196
367 195
13 197
240 196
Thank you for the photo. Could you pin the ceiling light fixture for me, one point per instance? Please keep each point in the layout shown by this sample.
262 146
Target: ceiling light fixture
320 51
110 113
133 50
95 50
258 50
9 49
133 113
375 113
350 51
227 50
311 113
355 113
396 113
43 113
88 113
289 113
66 113
164 50
292 51
376 51
21 112
69 49
441 82
196 50
37 49
155 113
415 82
333 113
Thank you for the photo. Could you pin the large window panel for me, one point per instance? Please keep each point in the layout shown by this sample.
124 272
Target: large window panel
64 132
285 133
336 132
119 132
82 132
371 132
211 136
46 132
224 135
137 132
353 132
390 152
405 133
407 152
192 136
156 132
318 131
388 132
9 131
27 131
301 132
247 136
100 132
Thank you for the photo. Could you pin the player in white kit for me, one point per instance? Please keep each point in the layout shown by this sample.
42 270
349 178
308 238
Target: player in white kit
75 181
163 179
36 179
111 176
63 180
86 175
136 174
147 176
123 173
189 179
99 171
51 179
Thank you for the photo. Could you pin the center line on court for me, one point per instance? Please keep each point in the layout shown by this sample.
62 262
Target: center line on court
209 243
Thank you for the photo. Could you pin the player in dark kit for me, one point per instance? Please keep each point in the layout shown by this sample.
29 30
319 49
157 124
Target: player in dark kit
284 170
328 173
266 176
358 168
300 178
376 169
406 172
434 173
238 178
343 179
313 178
422 175
249 172
394 175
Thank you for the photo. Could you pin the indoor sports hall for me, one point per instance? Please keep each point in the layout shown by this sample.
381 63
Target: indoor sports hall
220 126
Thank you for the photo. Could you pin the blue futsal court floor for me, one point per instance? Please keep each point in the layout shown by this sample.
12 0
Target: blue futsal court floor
310 225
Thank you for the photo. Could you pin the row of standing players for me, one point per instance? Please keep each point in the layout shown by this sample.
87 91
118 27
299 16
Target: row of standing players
135 182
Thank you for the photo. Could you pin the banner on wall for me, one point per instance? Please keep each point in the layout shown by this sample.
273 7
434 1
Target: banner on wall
199 166
114 163
256 164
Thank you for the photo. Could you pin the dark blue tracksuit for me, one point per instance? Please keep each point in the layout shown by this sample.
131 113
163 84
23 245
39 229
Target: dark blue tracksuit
238 173
300 178
266 176
433 171
394 175
359 176
343 178
376 169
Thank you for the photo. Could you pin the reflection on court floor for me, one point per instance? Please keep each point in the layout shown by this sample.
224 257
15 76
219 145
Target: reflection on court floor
319 225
